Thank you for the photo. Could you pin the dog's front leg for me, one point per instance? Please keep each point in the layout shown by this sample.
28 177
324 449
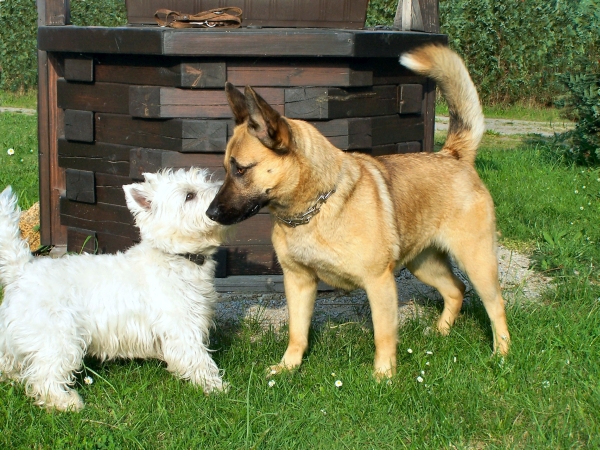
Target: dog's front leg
383 298
300 291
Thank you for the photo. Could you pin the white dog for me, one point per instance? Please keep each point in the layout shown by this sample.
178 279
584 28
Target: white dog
153 301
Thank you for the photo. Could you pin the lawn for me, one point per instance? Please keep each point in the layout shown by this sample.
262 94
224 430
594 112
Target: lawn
545 394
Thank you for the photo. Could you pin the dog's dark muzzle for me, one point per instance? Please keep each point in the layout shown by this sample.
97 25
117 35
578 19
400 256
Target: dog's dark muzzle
229 216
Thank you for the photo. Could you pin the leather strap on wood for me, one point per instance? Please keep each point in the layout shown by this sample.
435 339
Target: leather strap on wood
227 17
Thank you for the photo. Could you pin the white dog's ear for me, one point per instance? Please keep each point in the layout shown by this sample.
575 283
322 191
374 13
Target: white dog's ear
150 177
137 197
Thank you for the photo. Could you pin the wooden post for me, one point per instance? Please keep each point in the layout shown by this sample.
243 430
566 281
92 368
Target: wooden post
422 15
51 177
417 15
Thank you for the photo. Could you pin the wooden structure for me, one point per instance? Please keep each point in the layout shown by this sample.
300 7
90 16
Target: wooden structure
117 102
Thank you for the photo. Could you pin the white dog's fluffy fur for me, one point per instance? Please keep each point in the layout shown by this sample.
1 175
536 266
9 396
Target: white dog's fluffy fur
149 302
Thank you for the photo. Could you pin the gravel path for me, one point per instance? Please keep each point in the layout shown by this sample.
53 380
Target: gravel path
519 284
509 126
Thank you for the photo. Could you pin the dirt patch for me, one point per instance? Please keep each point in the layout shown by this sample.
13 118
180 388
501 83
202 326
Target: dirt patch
518 281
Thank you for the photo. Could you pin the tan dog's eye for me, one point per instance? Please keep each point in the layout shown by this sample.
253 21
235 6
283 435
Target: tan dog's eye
190 196
241 170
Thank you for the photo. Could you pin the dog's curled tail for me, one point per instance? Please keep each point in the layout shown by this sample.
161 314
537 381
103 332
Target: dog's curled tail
14 251
466 118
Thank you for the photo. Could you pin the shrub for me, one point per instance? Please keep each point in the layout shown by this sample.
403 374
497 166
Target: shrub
583 106
18 35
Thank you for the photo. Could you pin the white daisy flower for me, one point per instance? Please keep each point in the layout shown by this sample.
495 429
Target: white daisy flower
88 380
338 383
420 379
422 372
409 350
271 383
10 151
455 359
333 374
429 352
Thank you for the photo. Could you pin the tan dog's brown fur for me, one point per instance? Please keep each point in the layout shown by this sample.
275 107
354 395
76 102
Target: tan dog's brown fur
412 209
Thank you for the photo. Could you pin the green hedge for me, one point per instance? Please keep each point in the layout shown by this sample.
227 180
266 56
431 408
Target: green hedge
18 35
514 49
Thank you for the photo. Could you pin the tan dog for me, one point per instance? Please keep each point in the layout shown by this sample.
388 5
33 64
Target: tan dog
350 219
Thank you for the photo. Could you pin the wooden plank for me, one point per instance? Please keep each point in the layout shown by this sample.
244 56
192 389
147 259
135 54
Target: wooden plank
410 147
161 72
79 125
104 243
347 134
394 129
257 283
387 149
287 73
429 115
410 98
79 69
43 109
80 186
82 241
245 42
122 40
183 135
98 157
389 71
101 212
57 174
101 217
254 231
259 42
431 15
109 188
151 160
335 103
252 260
163 102
53 12
374 44
97 97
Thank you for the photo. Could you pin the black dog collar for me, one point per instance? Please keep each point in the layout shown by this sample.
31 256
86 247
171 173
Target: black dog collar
196 259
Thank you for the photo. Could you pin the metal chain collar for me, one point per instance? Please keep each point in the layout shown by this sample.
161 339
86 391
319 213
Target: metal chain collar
308 215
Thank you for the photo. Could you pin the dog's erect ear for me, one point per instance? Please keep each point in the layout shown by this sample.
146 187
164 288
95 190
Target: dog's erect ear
237 102
150 177
138 199
266 124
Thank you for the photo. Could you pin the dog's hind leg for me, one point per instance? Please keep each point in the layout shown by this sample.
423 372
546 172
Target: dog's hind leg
300 292
433 268
48 372
476 255
383 298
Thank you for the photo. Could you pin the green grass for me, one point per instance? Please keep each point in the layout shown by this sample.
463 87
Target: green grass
19 133
545 394
19 100
514 112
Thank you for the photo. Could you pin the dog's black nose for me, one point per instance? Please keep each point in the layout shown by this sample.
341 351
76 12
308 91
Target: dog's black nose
213 212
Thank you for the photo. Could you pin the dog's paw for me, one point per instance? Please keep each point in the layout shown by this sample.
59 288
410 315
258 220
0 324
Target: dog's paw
216 386
278 368
69 401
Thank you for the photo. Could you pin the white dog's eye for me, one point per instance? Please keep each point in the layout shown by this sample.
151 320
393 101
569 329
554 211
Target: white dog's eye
190 196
